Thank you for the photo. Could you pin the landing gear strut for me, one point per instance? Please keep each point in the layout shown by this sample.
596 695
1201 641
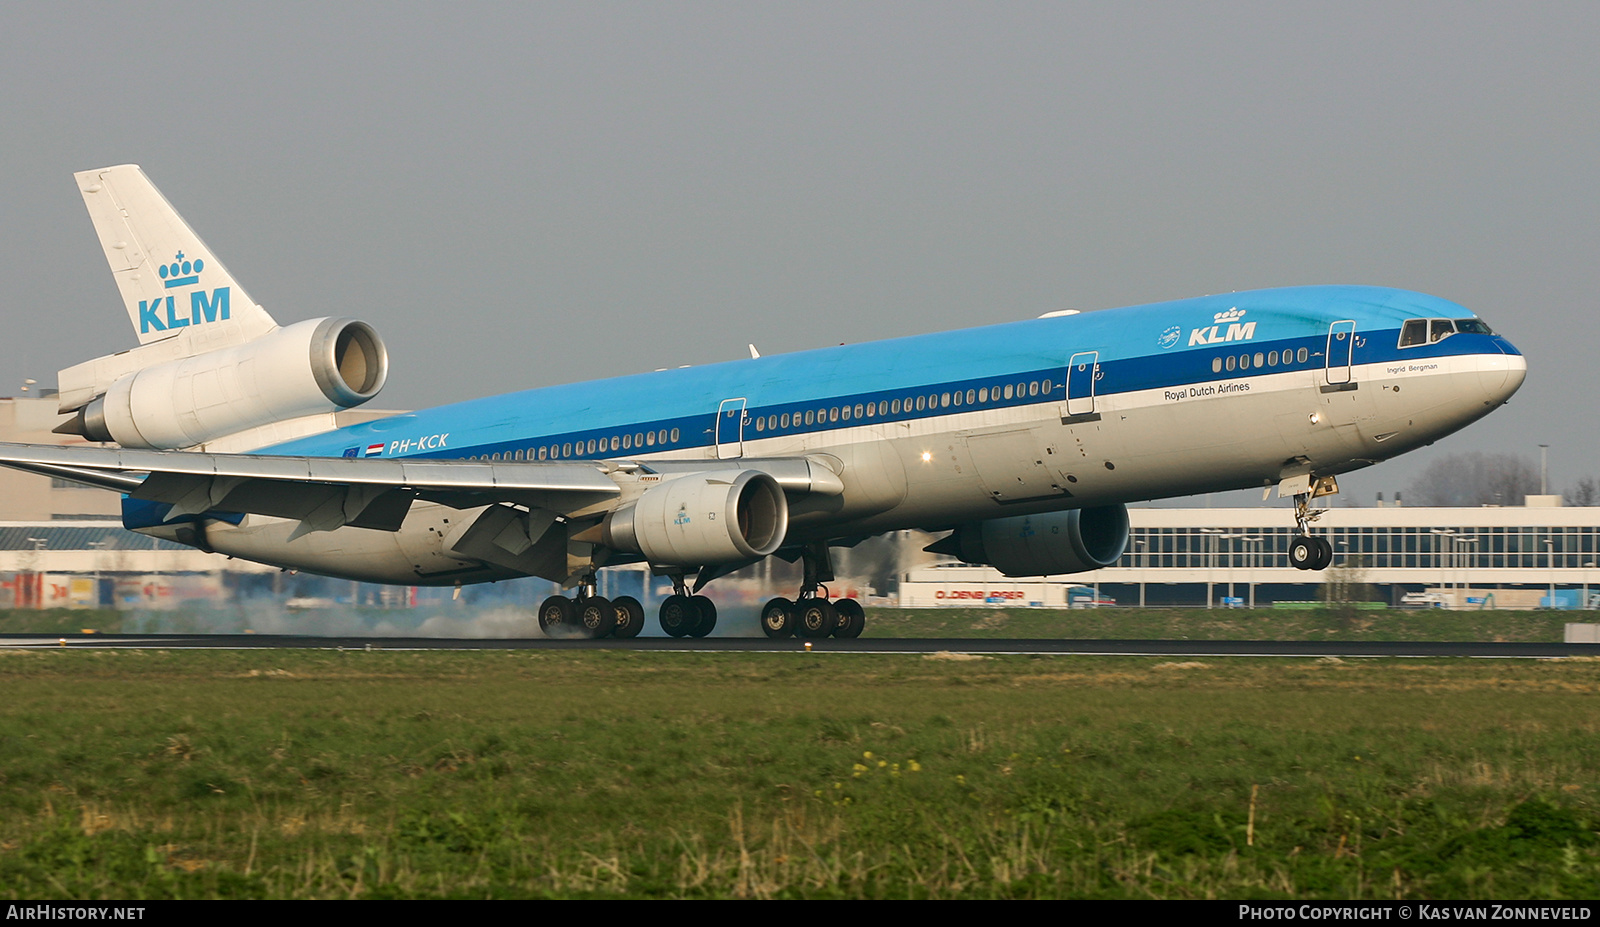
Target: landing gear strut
1305 551
811 615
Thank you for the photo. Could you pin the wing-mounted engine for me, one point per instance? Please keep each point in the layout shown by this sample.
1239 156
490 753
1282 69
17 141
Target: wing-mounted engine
1042 545
311 367
700 519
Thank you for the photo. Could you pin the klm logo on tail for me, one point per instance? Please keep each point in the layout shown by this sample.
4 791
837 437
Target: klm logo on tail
1227 328
161 314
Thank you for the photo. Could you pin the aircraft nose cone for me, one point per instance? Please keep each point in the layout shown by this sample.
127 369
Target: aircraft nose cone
1501 375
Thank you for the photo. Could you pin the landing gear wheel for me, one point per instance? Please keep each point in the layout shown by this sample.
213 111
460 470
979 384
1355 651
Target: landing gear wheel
597 617
706 612
852 618
777 618
678 615
557 616
630 617
816 619
1303 552
1324 558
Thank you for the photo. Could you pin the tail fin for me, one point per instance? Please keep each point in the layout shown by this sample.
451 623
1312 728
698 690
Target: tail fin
168 278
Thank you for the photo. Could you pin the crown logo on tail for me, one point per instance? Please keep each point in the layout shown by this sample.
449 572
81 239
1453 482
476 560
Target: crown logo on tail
181 272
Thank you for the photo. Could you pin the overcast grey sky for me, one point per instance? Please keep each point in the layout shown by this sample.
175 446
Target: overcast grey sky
525 194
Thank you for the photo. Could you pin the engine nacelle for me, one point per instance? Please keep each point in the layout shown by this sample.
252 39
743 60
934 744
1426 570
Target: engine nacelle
703 518
1043 545
319 365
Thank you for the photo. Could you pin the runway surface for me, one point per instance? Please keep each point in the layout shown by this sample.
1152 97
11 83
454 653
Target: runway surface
1175 648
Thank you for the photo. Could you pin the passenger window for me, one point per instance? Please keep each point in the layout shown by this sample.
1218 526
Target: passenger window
1009 392
845 413
674 435
1415 332
972 397
1229 363
958 397
1272 358
944 401
1033 388
1216 365
1244 362
1259 360
638 439
858 410
983 394
1302 355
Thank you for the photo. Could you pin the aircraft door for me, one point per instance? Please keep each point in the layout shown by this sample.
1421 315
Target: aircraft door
1082 372
1341 356
730 429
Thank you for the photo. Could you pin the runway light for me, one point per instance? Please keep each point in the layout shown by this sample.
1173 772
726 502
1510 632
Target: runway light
808 646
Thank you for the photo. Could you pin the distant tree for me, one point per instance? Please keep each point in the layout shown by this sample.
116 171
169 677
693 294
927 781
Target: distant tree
1475 479
1587 492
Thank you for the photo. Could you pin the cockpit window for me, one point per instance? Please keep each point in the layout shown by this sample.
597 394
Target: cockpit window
1414 333
1440 329
1473 327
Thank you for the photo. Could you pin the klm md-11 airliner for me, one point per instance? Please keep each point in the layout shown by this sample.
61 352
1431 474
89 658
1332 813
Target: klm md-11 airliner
1024 441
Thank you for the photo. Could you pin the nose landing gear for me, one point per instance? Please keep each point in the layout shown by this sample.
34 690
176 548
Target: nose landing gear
1305 551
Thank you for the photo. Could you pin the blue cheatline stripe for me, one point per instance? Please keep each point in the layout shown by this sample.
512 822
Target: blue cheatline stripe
687 400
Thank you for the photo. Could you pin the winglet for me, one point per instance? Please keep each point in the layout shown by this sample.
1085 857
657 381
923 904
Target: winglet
168 278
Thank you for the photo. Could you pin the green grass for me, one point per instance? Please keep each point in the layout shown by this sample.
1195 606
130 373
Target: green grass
143 774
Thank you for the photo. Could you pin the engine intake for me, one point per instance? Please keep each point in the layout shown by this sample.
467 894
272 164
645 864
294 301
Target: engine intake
1042 545
320 365
703 518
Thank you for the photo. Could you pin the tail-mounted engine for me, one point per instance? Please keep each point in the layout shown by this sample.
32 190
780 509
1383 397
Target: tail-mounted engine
1042 545
310 367
703 518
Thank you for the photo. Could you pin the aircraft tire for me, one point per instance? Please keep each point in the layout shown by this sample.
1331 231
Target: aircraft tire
1303 552
630 617
557 616
852 618
1324 557
677 615
705 616
815 618
597 617
777 618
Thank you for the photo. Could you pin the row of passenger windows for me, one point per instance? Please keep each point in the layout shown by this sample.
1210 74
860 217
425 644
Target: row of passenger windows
1269 359
588 448
826 415
972 397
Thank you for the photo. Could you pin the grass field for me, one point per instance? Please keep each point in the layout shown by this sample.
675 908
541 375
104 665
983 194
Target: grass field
145 774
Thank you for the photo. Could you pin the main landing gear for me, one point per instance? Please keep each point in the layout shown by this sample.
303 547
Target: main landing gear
590 616
1305 551
811 615
685 615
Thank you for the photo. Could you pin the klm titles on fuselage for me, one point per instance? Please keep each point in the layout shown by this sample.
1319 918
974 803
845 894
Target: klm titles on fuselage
161 313
1226 326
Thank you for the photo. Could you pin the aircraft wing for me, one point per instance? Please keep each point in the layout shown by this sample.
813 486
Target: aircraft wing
321 492
324 493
